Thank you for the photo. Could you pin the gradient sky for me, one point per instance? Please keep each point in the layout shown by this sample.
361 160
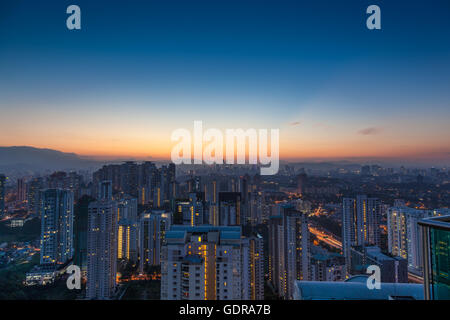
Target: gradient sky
140 69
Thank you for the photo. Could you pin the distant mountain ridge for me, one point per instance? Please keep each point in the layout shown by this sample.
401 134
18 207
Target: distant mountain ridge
36 159
21 159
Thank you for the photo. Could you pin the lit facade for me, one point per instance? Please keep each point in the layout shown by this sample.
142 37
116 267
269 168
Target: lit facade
436 253
152 229
127 247
56 226
404 235
289 250
210 263
361 218
102 247
253 268
193 211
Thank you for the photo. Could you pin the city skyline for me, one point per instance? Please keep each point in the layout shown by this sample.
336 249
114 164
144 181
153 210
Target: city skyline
212 235
119 86
217 158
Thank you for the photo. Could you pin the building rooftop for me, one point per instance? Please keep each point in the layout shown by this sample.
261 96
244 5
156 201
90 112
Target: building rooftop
224 232
440 222
355 288
375 252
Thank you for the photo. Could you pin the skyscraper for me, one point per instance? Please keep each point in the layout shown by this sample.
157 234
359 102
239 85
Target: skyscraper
253 268
436 253
212 196
404 235
244 189
152 231
102 246
209 263
289 250
137 180
33 194
255 208
164 186
56 226
129 178
127 247
81 210
146 182
230 213
21 190
111 173
127 209
105 190
370 211
193 211
360 223
301 183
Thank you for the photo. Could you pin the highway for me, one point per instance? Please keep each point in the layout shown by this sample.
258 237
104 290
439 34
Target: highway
326 237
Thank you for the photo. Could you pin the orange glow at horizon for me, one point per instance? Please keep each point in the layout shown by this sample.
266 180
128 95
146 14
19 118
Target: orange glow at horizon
162 151
150 136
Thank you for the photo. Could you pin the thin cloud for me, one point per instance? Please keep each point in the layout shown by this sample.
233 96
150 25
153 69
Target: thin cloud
322 125
369 131
295 123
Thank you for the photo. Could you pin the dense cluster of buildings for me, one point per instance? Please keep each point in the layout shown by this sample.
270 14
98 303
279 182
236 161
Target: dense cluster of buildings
218 236
195 226
405 237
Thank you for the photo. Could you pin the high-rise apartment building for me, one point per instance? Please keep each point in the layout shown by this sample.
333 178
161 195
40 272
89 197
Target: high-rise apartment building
81 210
21 190
404 235
392 269
301 183
152 231
144 182
210 263
102 245
127 209
56 226
328 267
289 250
129 178
212 196
68 181
255 208
230 208
193 211
360 223
253 268
436 253
127 240
33 195
164 186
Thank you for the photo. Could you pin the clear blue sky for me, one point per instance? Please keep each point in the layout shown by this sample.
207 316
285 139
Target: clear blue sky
139 69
